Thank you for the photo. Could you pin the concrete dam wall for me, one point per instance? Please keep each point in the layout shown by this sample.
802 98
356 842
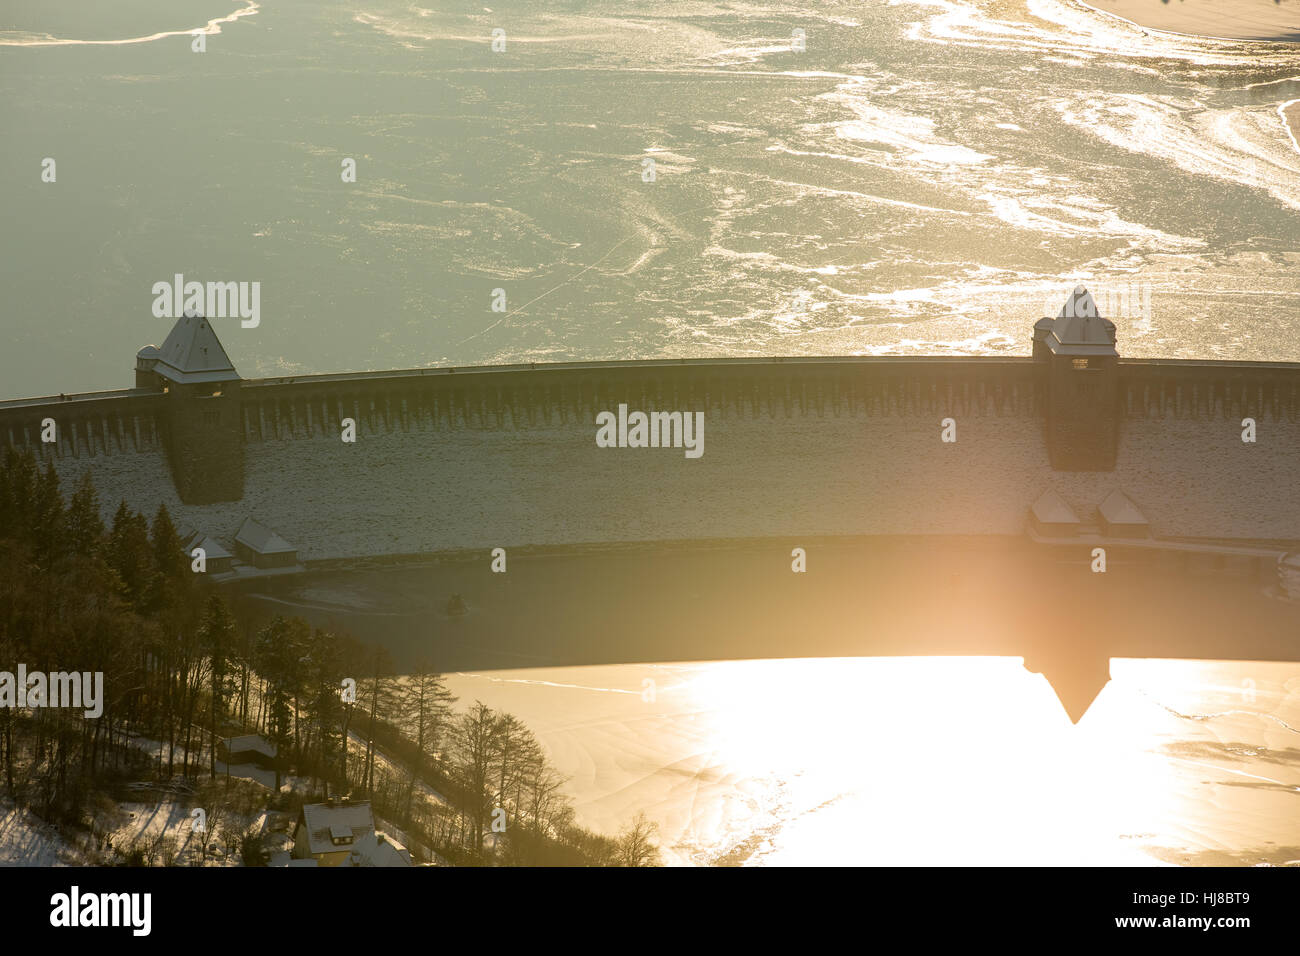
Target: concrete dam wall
451 459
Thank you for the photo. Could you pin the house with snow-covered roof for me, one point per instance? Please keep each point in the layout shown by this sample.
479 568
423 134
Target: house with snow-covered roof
377 849
218 559
342 833
249 748
258 545
1051 516
1121 518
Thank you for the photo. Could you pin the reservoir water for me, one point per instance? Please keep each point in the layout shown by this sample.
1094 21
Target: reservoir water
923 177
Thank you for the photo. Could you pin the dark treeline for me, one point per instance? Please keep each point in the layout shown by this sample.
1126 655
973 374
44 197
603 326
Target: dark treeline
182 670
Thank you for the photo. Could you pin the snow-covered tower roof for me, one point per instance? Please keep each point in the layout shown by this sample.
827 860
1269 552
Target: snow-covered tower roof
190 354
1079 329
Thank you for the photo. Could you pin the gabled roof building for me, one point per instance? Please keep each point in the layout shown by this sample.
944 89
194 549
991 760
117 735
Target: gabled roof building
1121 518
342 833
1051 517
258 545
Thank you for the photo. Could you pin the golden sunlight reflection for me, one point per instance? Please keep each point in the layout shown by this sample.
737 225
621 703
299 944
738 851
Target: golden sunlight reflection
924 760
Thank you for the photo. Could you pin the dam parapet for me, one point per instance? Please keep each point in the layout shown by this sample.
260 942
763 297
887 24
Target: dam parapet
124 421
275 409
565 393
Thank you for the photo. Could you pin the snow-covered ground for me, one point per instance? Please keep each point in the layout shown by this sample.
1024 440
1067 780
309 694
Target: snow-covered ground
26 840
147 822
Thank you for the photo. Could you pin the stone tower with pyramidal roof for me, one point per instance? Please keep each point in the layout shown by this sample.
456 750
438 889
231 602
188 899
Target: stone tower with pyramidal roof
201 425
1080 375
